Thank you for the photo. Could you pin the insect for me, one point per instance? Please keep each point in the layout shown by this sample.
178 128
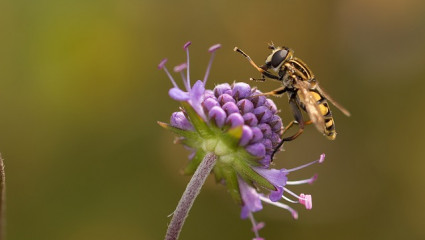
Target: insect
303 91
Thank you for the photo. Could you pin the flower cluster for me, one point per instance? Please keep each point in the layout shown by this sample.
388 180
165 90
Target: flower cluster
241 127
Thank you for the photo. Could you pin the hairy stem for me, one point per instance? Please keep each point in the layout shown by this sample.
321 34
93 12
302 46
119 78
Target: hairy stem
189 196
2 199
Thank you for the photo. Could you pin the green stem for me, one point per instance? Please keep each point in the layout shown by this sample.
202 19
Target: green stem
189 196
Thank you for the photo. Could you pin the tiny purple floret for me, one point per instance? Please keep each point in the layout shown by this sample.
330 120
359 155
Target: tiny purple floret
234 120
265 129
221 89
218 115
250 119
258 100
246 135
258 134
209 103
179 120
256 149
225 98
241 90
271 105
230 107
245 106
263 114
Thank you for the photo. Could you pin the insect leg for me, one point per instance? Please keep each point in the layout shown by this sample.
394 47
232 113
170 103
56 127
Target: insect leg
261 70
298 118
276 92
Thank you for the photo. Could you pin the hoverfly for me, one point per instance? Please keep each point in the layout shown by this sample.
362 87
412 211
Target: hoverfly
303 91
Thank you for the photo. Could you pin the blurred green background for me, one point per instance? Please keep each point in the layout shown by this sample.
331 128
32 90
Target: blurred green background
80 96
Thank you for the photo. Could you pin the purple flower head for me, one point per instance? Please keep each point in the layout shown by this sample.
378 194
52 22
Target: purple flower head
242 129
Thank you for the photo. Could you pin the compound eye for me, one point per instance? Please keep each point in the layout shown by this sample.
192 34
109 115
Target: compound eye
279 57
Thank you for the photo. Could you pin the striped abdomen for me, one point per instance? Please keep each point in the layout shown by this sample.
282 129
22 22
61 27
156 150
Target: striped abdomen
329 124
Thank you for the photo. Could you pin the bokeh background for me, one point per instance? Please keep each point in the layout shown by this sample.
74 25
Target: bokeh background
80 96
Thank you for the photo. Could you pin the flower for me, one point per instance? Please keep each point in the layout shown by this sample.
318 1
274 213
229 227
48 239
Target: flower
242 128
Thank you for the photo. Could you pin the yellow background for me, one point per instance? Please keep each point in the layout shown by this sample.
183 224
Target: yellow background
80 96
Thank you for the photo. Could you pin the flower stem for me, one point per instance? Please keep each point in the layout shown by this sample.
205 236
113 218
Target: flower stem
189 196
2 199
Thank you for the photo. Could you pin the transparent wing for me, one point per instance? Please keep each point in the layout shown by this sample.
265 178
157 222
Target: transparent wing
310 104
330 99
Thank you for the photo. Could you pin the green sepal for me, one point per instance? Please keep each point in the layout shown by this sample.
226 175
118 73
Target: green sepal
246 171
233 185
232 136
198 123
194 163
189 138
178 131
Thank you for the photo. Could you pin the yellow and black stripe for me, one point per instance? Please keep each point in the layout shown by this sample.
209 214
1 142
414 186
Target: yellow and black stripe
329 128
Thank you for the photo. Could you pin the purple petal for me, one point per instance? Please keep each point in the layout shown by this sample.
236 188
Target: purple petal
256 149
241 90
179 120
245 212
196 95
250 197
217 115
214 48
225 98
245 106
276 195
197 91
276 177
162 63
250 119
179 95
234 120
230 108
246 135
221 88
